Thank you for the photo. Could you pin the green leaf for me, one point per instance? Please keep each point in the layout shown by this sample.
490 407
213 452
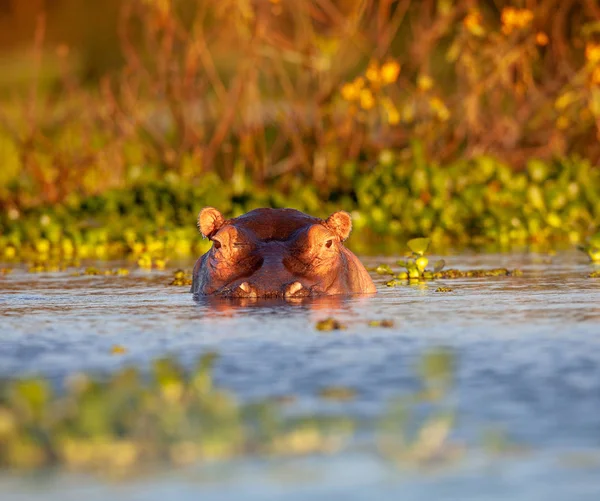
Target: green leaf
595 240
384 269
439 265
419 245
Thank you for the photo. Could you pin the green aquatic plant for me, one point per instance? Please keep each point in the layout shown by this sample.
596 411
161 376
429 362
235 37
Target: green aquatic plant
117 349
415 264
46 267
116 423
339 393
592 248
494 272
419 246
404 444
491 206
444 289
384 269
497 442
126 421
416 271
181 278
93 271
387 323
329 324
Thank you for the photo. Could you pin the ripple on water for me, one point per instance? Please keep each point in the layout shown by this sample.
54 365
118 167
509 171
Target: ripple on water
527 351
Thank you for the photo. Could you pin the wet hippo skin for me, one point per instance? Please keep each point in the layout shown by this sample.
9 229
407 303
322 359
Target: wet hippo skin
278 253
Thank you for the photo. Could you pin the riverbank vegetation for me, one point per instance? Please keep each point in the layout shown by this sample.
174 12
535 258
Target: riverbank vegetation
471 202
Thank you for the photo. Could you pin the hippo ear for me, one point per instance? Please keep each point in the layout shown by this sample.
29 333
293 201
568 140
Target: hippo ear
209 221
340 223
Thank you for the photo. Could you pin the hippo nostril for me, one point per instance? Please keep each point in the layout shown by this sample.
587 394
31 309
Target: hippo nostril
293 289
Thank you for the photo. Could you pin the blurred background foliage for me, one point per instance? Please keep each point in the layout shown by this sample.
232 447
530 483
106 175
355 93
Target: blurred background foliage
134 423
475 119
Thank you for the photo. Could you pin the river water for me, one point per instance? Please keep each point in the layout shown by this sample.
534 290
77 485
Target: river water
527 365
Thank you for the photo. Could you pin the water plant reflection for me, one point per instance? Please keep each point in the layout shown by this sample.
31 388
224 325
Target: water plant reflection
120 423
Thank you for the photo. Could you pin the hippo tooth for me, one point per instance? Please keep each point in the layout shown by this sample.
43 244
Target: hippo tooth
295 287
245 287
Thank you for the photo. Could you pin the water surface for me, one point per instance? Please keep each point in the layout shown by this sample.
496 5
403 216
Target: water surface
527 353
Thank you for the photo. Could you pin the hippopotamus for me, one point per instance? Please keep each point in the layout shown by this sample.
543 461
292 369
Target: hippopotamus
278 253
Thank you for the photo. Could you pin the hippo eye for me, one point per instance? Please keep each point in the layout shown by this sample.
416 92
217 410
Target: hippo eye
329 243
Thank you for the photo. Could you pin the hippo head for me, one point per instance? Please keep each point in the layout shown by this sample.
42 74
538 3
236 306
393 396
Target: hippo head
278 253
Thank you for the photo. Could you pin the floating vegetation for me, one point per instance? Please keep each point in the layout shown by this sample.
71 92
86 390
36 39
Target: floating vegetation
115 424
444 289
494 272
592 248
594 274
388 323
181 278
329 324
50 266
122 423
431 442
46 267
145 261
160 264
419 245
384 269
395 282
341 393
93 271
416 268
431 445
498 443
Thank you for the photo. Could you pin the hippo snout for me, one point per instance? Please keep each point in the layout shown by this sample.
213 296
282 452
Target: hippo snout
251 290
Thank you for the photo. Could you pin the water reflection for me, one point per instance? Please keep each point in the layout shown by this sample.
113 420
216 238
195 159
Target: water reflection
217 306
